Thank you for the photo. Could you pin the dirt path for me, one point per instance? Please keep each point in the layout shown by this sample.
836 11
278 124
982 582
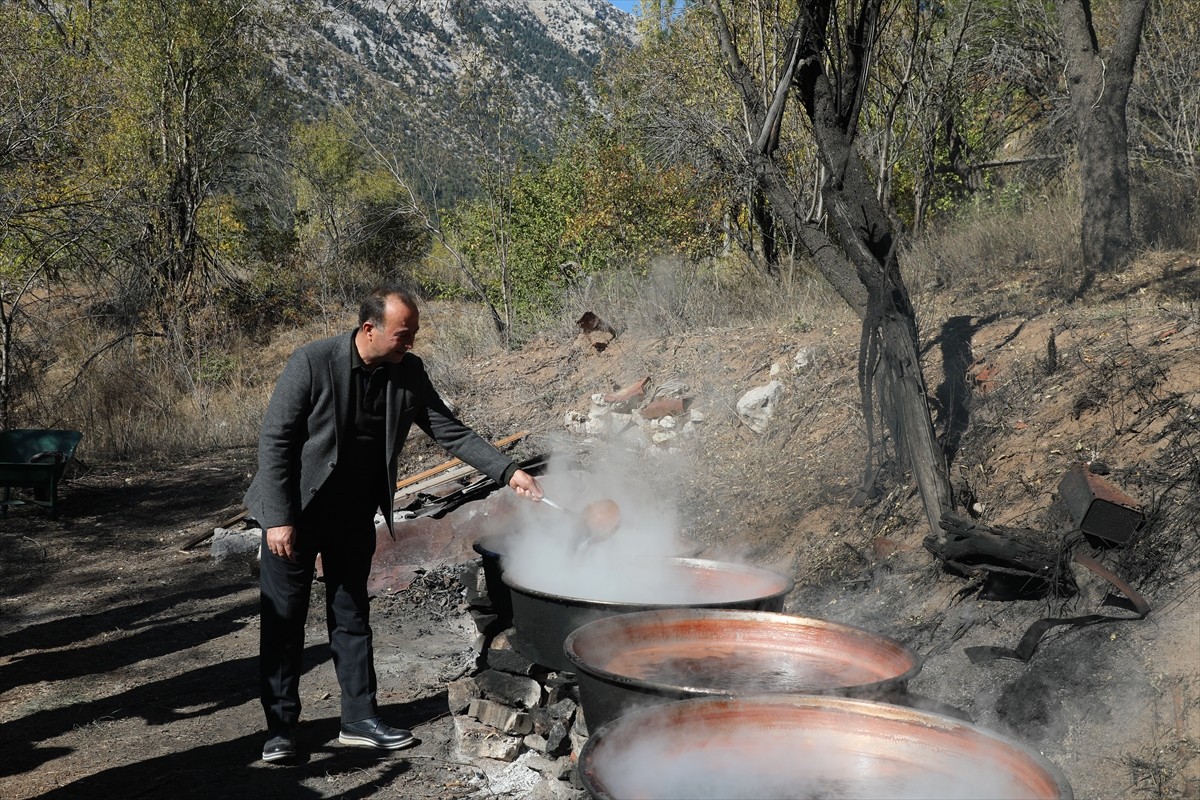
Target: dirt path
128 668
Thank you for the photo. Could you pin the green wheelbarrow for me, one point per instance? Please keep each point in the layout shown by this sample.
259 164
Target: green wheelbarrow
34 459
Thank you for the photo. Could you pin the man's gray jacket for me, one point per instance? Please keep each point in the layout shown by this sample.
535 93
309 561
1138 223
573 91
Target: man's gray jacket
305 422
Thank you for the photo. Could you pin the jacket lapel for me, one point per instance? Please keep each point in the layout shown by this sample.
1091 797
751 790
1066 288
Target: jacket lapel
339 376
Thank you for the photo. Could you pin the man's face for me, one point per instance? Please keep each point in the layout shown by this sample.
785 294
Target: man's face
389 341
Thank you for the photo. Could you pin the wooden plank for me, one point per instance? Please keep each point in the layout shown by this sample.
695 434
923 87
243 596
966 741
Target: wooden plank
420 476
195 540
435 480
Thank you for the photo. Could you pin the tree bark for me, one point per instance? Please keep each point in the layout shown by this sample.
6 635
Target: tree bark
1099 89
859 257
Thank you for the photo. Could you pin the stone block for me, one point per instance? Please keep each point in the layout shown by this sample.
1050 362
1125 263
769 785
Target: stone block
563 711
460 693
541 720
577 742
510 661
483 622
551 789
559 687
227 544
757 406
476 740
535 742
580 725
558 740
500 717
573 775
511 690
542 764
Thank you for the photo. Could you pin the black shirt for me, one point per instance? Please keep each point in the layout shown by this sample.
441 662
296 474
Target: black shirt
361 472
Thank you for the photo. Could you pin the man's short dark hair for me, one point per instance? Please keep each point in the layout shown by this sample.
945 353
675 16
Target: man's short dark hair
373 305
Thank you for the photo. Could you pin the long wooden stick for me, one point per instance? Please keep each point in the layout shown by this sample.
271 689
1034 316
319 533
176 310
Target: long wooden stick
454 461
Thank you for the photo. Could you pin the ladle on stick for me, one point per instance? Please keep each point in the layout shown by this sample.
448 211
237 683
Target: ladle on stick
597 522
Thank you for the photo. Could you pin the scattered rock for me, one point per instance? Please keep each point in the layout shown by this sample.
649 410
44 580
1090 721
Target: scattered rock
757 406
514 690
477 740
460 693
500 717
228 543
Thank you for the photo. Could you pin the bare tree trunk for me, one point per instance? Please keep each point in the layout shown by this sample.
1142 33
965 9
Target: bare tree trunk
1099 90
859 259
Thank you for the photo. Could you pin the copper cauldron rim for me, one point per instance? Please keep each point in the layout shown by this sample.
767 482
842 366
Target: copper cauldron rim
741 615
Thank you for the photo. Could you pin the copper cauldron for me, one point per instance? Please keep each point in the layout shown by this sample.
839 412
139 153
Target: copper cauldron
779 747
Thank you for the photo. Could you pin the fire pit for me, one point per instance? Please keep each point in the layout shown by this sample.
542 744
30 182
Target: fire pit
653 657
772 747
543 620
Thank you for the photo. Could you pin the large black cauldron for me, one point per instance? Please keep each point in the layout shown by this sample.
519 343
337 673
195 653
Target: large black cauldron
542 621
491 549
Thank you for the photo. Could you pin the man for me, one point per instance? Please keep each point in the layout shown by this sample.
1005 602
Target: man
337 420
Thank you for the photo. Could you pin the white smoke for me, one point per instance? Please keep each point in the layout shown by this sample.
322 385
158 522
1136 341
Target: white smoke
757 756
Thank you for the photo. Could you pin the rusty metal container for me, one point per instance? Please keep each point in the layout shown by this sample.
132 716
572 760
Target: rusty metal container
1099 508
543 620
649 657
778 747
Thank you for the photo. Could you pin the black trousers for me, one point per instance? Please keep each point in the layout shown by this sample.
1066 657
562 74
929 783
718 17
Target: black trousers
345 539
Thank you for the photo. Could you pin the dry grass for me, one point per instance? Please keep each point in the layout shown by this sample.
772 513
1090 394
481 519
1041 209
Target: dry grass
135 399
980 250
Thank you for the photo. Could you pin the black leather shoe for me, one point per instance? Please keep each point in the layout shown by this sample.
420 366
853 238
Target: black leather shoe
280 746
375 733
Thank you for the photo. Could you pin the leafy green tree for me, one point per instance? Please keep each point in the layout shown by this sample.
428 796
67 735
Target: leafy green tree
183 77
52 207
597 206
350 209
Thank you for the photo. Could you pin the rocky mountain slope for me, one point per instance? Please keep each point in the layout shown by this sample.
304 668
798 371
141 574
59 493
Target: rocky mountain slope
428 69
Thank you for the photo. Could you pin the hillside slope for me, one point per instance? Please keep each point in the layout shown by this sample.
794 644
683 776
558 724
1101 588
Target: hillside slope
1117 704
130 663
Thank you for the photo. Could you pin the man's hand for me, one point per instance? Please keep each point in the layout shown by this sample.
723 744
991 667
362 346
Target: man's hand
281 541
525 485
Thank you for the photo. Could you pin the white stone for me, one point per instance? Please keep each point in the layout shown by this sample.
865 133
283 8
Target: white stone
535 742
775 369
575 422
476 740
805 357
618 421
662 437
552 789
598 399
757 406
500 716
696 416
667 422
235 544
